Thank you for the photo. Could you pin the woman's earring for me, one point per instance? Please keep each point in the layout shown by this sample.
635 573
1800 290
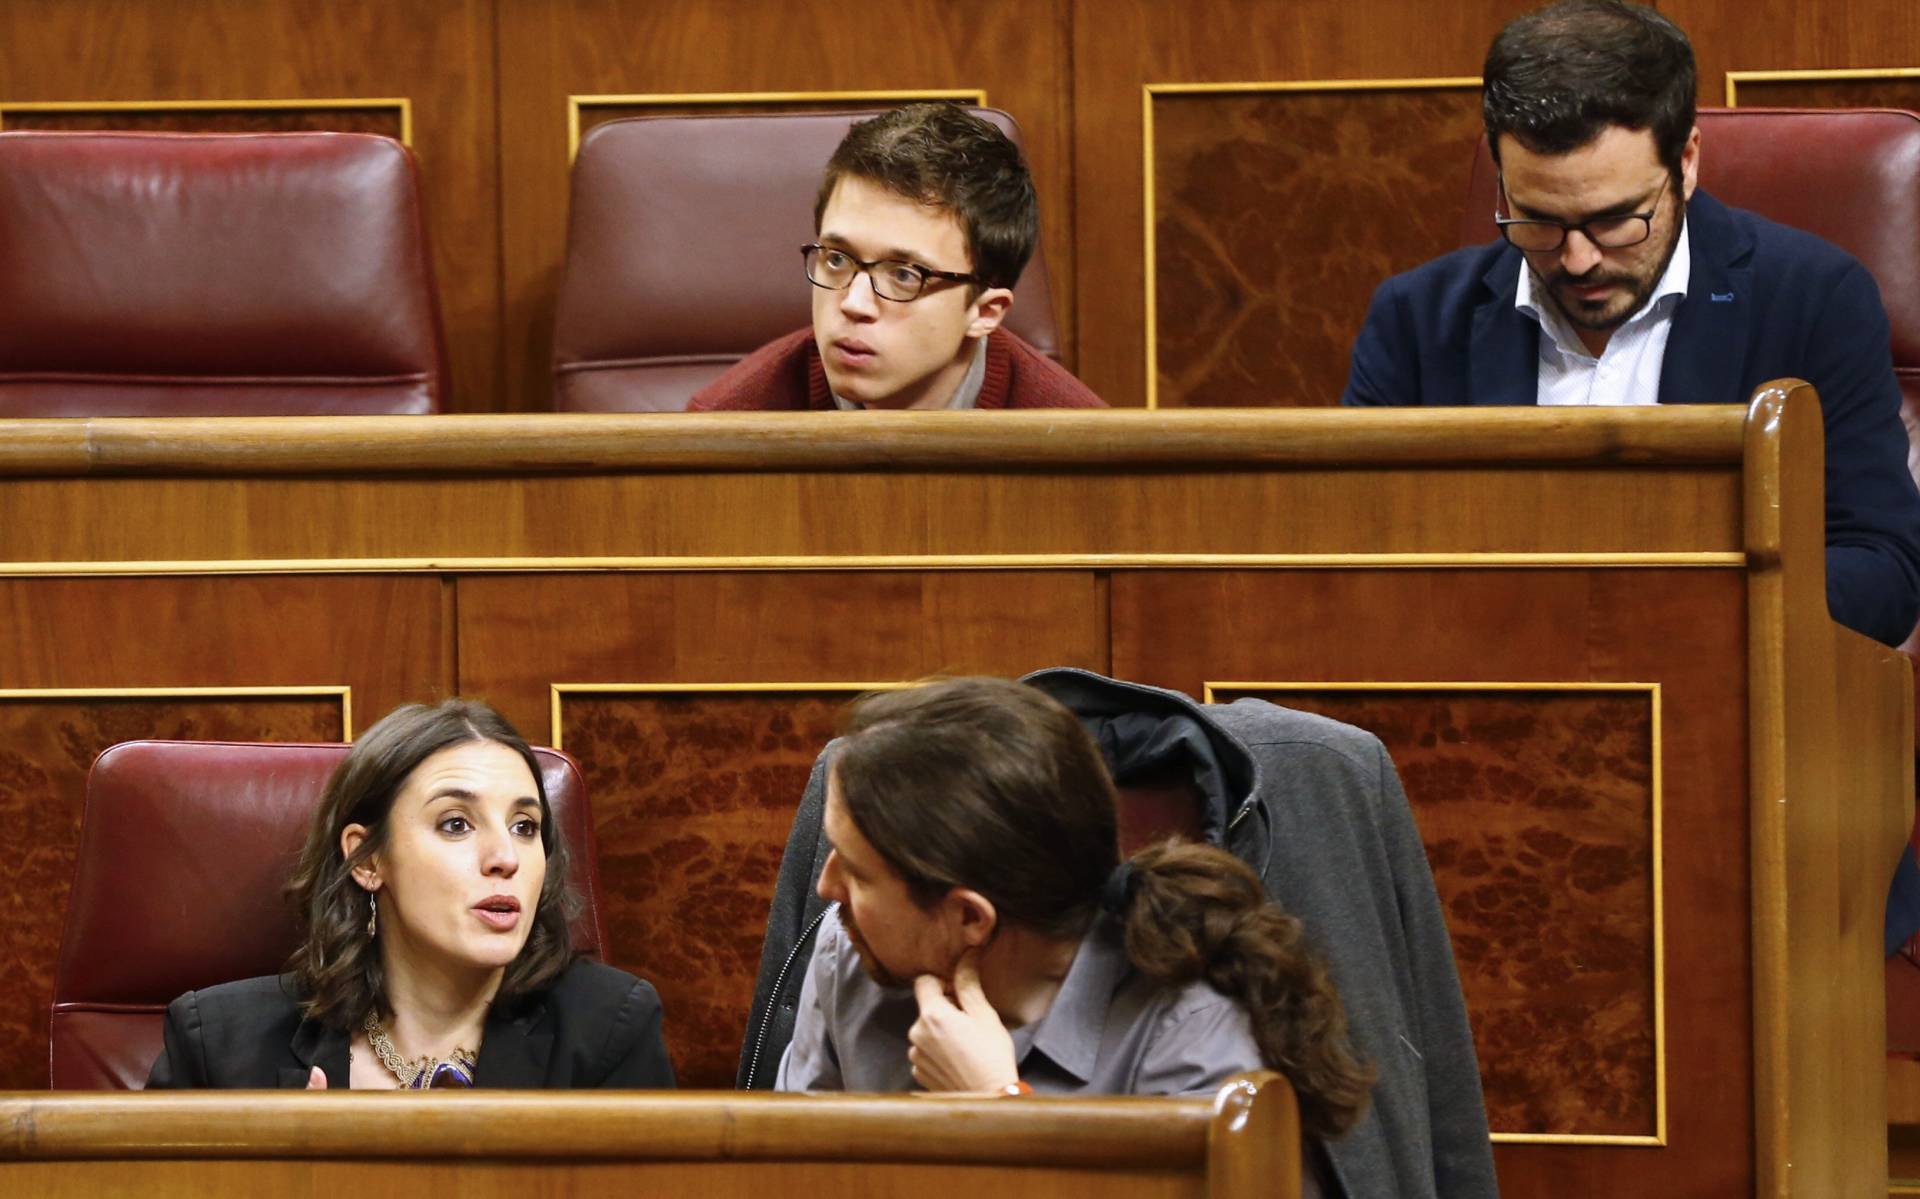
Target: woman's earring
373 914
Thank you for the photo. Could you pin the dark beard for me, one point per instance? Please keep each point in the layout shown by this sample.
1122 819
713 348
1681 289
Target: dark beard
1640 289
869 961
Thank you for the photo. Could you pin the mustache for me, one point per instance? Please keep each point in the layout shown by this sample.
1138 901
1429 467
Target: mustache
1564 278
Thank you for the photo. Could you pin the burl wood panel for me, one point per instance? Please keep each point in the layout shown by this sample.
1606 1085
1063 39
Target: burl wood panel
384 121
1015 49
1538 816
693 798
1277 214
1682 629
46 746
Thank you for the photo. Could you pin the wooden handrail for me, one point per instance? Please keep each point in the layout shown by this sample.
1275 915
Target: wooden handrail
773 442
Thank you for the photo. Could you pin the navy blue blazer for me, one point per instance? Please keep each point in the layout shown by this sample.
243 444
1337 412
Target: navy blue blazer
1764 302
595 1027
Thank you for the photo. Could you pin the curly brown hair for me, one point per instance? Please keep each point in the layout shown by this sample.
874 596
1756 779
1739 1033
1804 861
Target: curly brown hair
995 786
337 965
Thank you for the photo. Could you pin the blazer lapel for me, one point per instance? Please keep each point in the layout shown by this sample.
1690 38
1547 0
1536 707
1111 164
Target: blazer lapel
1707 345
517 1049
1503 359
314 1044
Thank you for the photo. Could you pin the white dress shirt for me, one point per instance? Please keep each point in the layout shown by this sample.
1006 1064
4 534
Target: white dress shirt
1628 371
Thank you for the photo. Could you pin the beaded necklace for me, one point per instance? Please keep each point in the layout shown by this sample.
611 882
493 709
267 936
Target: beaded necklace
424 1072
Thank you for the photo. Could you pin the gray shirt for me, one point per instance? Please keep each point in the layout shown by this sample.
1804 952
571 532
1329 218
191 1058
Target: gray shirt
1109 1031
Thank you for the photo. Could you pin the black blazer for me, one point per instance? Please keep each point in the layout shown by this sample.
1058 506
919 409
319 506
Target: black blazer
595 1027
1764 301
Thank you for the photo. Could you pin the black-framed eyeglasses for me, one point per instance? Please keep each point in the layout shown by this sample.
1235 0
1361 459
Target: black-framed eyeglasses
893 279
1606 232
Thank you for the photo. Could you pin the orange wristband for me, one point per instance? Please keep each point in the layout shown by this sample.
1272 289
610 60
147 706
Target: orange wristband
1014 1090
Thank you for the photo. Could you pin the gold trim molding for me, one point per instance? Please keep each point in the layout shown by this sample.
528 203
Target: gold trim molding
342 693
1652 691
402 104
1709 559
974 96
558 690
1735 78
1150 90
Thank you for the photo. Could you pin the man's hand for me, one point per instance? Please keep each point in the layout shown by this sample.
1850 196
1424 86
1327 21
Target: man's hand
964 1047
316 1079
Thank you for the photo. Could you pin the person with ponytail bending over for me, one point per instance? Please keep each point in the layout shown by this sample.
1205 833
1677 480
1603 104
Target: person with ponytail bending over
989 939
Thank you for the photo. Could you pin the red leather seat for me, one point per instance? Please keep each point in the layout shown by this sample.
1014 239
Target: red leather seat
683 254
156 274
185 850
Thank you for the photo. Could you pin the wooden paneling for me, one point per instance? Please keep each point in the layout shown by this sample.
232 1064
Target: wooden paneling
439 54
1122 45
693 794
1678 629
693 797
382 637
1016 52
1537 809
1276 213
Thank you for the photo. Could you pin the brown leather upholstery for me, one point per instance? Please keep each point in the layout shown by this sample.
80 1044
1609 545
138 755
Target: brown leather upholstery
683 254
184 851
155 274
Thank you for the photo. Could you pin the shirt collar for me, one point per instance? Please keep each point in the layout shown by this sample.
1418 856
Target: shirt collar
1075 1022
967 395
1673 282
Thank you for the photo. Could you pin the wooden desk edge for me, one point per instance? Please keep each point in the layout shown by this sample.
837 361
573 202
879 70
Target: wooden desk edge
1119 1133
533 444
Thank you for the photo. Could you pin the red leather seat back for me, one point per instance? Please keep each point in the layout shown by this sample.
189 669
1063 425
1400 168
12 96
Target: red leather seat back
185 849
155 274
683 254
1851 176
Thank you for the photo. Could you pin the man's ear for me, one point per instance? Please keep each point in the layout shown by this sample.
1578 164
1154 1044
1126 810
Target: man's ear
989 309
1690 165
367 873
973 915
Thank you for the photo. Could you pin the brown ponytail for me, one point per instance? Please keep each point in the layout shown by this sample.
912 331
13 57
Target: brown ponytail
1198 913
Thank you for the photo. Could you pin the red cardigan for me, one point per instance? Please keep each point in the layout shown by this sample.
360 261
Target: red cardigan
786 375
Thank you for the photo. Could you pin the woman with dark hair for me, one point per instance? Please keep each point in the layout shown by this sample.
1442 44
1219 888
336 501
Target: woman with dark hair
434 893
988 937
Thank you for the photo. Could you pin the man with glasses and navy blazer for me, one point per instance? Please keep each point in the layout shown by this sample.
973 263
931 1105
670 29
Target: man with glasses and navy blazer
924 220
1618 282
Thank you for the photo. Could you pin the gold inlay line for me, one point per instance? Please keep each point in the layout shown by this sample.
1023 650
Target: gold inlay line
1252 87
1657 875
972 95
403 104
1735 78
320 691
1713 559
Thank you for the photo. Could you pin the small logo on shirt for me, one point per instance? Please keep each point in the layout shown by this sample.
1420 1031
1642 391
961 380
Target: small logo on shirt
1720 297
